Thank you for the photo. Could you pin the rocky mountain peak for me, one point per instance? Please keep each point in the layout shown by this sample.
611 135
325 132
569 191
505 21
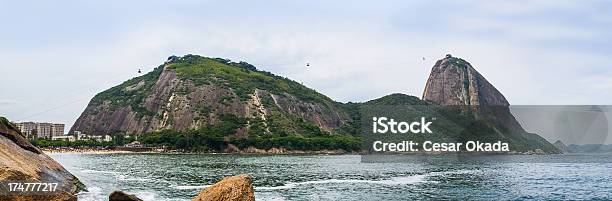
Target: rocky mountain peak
561 146
453 81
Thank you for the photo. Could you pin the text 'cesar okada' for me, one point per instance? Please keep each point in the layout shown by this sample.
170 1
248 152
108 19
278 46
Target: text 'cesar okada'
382 126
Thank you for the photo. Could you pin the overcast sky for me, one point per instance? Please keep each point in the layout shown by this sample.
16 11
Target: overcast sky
56 55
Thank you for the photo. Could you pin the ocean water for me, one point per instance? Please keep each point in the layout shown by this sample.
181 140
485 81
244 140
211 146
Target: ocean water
344 177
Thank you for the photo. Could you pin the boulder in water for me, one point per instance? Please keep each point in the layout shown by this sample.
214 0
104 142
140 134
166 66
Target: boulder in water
235 188
122 196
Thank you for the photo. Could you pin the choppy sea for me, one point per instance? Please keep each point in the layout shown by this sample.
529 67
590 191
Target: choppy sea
343 177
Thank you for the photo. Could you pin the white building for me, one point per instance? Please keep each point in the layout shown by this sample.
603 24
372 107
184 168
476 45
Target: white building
135 144
108 138
57 129
79 135
95 137
68 138
99 138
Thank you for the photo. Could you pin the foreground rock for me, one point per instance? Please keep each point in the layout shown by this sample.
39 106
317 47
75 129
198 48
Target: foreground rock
121 196
22 162
235 188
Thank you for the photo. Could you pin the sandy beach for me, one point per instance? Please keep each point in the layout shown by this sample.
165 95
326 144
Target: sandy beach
85 151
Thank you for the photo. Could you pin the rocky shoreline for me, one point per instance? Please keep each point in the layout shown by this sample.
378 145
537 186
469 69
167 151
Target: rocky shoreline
249 151
291 152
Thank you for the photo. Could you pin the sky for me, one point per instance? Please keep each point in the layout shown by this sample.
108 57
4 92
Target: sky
56 55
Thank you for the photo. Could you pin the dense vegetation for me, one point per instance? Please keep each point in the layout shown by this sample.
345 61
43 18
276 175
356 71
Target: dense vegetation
241 77
215 138
130 93
5 122
78 143
205 139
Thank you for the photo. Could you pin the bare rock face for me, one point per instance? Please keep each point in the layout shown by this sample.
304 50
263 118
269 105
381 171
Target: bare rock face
21 162
235 188
453 81
122 196
561 146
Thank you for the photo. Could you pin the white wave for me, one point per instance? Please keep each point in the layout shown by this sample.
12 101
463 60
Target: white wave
191 187
268 197
93 189
117 175
87 171
393 181
404 180
127 178
94 193
145 195
453 172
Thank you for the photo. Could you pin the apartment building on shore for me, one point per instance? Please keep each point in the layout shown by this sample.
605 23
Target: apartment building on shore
41 130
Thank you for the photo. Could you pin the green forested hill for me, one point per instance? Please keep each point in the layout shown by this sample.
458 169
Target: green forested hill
197 102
